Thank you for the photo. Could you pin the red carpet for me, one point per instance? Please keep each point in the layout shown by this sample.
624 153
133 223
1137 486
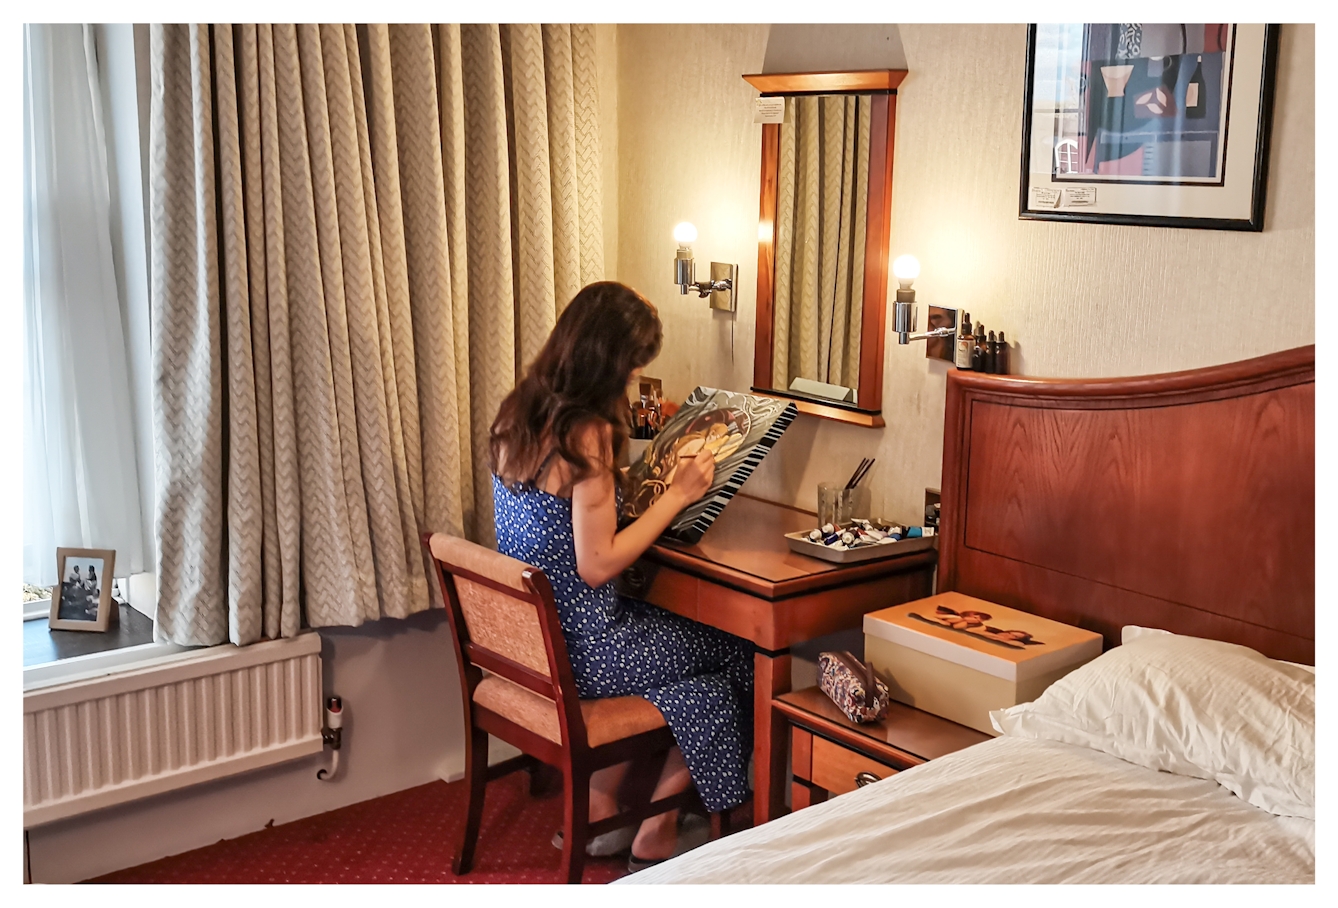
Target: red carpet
406 837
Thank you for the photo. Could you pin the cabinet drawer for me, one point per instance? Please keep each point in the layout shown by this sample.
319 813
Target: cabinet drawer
835 768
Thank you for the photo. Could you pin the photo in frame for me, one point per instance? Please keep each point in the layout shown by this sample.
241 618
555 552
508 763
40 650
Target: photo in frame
82 599
1159 125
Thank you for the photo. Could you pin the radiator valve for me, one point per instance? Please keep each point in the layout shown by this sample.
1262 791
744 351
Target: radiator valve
333 735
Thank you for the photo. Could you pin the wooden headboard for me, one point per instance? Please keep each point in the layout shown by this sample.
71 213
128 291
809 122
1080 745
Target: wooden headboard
1183 501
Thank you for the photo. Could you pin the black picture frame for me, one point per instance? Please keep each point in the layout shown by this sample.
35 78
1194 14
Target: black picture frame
1253 221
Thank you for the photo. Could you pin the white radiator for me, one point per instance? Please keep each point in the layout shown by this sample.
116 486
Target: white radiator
190 718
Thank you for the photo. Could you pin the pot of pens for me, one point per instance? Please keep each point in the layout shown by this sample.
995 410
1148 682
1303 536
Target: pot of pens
845 533
840 503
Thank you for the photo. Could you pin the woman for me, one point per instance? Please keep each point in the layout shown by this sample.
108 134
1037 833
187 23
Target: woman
556 495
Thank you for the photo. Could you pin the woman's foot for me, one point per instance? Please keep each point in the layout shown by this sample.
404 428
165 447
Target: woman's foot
657 839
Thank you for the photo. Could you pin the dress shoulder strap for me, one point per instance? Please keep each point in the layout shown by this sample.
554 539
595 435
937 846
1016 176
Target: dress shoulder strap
543 468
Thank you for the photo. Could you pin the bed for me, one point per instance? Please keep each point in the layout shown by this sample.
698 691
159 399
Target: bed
1180 503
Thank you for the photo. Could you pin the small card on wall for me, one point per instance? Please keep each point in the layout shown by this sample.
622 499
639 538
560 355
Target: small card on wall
1044 197
1080 197
769 110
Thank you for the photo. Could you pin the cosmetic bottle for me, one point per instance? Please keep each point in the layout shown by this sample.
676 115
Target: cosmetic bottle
641 424
978 349
1001 356
991 354
962 352
656 415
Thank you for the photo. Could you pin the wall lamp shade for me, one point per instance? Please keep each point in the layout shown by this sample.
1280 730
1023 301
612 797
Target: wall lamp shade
720 288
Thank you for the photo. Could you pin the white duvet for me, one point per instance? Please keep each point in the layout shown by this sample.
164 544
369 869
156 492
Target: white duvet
1014 811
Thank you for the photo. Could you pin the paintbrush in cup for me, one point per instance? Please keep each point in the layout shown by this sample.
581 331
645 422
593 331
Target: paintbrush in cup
855 476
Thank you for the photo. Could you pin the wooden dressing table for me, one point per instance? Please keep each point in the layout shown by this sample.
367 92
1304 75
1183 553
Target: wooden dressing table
742 578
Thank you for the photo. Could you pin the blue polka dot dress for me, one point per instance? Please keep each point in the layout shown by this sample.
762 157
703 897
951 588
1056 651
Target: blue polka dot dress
699 677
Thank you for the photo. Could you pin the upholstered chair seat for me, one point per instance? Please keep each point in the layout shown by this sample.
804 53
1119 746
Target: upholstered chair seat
605 720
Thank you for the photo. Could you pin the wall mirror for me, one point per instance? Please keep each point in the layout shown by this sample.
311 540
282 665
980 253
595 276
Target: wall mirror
823 229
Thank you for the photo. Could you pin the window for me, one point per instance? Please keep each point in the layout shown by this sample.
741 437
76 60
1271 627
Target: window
87 452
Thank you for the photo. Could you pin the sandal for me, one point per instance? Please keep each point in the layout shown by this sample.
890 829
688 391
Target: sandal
635 863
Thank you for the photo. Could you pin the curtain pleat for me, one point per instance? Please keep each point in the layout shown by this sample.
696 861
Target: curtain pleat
783 294
859 231
190 412
474 500
492 323
590 206
559 77
531 183
821 215
341 300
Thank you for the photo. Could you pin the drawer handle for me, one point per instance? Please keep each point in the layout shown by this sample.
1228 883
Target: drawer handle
865 778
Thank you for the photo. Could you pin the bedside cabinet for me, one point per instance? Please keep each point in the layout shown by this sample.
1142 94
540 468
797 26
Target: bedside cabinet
830 755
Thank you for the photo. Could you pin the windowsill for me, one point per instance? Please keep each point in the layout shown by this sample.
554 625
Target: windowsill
52 658
109 662
42 645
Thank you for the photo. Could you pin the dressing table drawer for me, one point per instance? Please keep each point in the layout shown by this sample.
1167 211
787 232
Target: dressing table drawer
838 769
658 584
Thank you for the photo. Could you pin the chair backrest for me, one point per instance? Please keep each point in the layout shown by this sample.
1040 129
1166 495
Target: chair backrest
504 621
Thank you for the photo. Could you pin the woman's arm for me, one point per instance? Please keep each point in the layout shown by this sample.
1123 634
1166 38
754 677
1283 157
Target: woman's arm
601 551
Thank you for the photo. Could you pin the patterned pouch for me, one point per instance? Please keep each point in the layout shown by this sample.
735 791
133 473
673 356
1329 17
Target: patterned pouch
853 687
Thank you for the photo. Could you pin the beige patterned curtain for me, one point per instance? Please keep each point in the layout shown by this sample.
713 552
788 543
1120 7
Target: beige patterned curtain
822 198
360 234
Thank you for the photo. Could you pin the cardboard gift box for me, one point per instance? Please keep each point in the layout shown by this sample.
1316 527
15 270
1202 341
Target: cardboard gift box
959 657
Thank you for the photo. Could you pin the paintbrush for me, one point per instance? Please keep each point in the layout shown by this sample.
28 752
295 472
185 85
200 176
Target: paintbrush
856 476
862 473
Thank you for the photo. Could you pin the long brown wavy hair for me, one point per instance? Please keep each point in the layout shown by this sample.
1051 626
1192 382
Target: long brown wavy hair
581 374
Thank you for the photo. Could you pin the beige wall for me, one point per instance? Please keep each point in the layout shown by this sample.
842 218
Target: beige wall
1079 299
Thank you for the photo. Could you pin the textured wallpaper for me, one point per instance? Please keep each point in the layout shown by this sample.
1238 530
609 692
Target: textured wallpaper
1076 299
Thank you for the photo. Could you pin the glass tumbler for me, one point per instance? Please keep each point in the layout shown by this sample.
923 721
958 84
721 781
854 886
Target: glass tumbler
837 505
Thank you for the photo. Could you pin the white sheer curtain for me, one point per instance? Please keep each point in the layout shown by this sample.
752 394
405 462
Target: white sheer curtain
80 485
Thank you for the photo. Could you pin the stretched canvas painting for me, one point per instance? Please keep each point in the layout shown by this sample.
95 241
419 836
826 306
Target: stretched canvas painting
739 428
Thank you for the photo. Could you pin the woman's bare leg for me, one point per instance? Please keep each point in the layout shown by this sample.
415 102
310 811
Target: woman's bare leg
604 786
658 835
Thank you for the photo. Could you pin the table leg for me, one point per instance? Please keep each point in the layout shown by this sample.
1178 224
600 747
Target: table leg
771 676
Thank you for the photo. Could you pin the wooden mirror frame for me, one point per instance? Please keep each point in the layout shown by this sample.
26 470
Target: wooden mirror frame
882 85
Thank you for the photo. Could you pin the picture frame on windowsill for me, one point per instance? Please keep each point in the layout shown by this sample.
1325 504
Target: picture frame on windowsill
1157 125
82 599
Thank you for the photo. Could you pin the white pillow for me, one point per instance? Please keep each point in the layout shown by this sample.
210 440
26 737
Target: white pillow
1194 707
1133 632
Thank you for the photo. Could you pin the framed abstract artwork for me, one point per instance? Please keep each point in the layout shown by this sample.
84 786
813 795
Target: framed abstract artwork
1160 125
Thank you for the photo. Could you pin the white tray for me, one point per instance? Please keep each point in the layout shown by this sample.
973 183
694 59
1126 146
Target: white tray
799 542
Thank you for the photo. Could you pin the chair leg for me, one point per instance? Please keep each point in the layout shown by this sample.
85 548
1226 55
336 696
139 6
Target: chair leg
476 777
722 823
542 780
575 823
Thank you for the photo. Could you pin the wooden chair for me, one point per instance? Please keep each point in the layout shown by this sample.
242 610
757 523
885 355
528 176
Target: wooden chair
504 622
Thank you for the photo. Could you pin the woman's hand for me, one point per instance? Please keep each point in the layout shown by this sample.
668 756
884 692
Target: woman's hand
602 550
693 476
